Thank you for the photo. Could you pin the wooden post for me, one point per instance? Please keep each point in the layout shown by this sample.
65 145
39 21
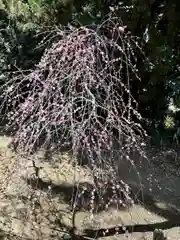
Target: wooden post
158 235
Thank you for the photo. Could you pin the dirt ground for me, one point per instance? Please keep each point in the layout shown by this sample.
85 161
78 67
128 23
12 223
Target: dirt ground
41 208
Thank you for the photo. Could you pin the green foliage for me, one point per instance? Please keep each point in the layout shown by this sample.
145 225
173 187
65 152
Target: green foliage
32 13
88 12
168 122
157 29
18 48
156 26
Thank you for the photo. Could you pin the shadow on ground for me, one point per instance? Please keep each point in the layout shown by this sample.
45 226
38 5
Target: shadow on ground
69 193
72 195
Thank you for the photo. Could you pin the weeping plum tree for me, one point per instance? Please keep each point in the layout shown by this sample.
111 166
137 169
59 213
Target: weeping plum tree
79 95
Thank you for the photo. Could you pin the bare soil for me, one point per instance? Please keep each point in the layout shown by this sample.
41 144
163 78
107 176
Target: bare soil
41 208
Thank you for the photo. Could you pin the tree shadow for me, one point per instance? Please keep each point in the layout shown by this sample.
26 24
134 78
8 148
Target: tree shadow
132 228
69 193
77 196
